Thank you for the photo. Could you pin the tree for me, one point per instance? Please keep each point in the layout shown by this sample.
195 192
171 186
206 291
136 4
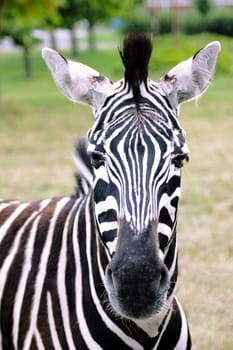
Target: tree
203 6
20 17
91 10
97 10
70 13
27 9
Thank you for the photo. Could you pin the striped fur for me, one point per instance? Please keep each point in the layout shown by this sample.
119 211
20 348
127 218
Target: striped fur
52 282
98 270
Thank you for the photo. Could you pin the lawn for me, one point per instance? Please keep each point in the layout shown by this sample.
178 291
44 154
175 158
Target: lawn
38 128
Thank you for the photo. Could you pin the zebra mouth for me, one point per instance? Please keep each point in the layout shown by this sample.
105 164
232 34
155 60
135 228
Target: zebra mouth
137 298
137 307
137 282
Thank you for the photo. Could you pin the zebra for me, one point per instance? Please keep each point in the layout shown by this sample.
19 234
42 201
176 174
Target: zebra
98 269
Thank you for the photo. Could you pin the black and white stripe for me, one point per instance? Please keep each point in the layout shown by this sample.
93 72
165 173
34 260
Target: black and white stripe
52 281
116 138
98 270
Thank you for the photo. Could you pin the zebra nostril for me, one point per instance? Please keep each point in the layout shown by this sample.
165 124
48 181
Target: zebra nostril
164 279
109 277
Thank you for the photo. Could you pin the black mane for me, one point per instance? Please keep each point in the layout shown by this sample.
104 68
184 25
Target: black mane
135 56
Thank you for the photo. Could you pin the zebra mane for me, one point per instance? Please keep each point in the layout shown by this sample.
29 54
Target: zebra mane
84 171
135 56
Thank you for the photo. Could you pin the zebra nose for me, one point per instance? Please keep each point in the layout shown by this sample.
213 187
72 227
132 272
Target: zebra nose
163 280
157 279
136 278
136 294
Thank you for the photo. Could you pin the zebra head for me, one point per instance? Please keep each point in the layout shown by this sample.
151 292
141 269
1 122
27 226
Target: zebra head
137 148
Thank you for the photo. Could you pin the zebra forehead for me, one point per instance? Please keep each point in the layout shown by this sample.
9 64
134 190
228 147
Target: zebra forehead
143 120
121 107
137 130
150 103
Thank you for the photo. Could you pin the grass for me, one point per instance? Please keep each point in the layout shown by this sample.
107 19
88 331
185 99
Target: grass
38 128
205 221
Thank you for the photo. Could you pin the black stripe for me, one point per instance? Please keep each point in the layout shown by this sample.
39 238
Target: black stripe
51 273
172 333
41 236
16 225
99 331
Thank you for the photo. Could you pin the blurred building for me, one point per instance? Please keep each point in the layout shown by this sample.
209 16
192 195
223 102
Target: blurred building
181 5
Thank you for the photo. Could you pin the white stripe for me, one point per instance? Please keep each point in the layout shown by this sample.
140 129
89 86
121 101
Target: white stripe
165 201
112 245
39 341
44 203
102 173
90 342
108 322
13 251
61 282
6 204
151 325
108 226
182 343
165 230
173 266
42 273
106 205
83 169
145 209
52 325
23 280
11 218
164 328
101 270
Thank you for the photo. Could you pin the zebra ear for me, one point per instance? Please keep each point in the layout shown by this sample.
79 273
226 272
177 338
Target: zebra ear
78 82
190 78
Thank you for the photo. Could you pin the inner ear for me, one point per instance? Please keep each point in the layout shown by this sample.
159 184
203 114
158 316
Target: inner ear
190 78
78 82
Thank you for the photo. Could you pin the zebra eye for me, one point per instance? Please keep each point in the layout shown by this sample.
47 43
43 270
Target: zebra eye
179 160
97 159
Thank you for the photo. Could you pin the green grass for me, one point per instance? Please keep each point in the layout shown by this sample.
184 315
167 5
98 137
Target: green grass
169 50
38 127
205 220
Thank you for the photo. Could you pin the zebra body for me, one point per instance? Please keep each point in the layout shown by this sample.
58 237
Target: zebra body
52 283
98 270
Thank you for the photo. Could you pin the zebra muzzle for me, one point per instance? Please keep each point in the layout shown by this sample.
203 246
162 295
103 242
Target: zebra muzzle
136 279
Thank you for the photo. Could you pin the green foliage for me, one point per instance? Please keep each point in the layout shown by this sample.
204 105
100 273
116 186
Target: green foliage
137 24
128 9
91 10
28 10
165 23
221 22
167 53
217 21
194 24
20 17
70 13
19 31
203 6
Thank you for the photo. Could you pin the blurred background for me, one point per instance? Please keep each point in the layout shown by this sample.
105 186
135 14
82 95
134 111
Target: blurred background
38 126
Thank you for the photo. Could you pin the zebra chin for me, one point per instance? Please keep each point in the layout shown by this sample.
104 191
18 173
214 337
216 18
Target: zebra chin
139 308
136 279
